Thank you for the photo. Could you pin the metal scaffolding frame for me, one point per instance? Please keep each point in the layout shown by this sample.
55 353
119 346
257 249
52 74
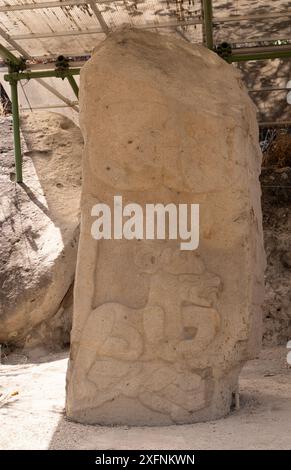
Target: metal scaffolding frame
77 32
24 67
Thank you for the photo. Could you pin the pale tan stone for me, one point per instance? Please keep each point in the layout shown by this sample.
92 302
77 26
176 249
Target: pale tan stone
39 223
159 334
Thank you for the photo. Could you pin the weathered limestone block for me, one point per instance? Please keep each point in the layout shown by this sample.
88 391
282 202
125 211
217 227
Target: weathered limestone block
160 334
39 222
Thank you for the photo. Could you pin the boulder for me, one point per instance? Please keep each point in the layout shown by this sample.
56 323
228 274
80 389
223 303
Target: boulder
160 333
39 229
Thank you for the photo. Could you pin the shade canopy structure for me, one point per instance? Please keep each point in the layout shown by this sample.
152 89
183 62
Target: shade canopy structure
41 30
73 27
255 35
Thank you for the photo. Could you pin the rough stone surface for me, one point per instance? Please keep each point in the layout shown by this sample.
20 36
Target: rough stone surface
159 334
276 205
39 230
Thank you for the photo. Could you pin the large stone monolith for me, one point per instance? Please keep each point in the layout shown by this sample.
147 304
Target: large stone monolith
160 334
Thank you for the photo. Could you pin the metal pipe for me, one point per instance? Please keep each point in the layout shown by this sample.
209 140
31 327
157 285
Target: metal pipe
99 16
77 32
259 49
8 56
73 84
41 74
274 123
51 4
262 90
207 21
56 93
42 5
51 65
16 47
16 131
259 56
25 55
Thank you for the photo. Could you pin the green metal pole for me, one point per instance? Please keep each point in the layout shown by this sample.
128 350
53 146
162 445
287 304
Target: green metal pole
73 84
16 131
7 55
41 74
259 56
207 18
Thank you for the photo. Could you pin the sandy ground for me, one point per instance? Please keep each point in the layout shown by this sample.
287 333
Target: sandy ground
34 418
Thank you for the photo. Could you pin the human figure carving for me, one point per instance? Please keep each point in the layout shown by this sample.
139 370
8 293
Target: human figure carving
178 321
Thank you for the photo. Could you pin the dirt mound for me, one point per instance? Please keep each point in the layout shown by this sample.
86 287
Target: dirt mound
278 154
276 203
